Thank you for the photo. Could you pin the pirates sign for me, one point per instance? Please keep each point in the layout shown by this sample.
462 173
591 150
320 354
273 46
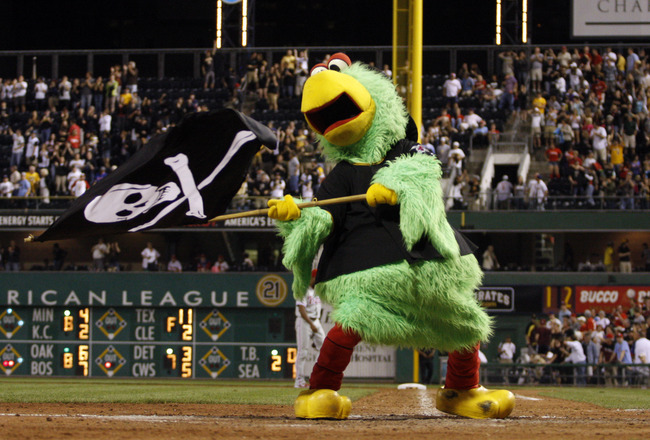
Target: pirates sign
184 176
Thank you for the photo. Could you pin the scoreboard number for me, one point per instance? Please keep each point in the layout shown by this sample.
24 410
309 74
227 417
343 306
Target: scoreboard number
83 359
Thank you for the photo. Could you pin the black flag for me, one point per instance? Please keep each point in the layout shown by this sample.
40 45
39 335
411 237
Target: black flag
185 176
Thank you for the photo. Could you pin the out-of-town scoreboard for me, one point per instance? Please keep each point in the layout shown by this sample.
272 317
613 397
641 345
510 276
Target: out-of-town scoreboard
140 325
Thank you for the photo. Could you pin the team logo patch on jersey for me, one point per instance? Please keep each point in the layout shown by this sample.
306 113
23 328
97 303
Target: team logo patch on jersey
422 149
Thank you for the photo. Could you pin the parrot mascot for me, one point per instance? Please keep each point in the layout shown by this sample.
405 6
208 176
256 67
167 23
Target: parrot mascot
393 269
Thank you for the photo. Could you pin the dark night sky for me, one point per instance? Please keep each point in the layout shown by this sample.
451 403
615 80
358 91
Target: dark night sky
127 24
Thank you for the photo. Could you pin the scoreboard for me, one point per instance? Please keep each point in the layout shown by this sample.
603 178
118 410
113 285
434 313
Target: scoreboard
147 325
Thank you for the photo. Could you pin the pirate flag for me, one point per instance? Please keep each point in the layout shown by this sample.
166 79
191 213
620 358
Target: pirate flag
185 176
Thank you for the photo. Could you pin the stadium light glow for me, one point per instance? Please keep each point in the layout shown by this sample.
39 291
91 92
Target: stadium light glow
244 23
524 21
219 23
498 29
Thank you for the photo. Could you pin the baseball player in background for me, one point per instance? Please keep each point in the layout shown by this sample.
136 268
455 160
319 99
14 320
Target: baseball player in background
309 331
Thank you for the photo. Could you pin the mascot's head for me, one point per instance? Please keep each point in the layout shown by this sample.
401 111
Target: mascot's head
355 110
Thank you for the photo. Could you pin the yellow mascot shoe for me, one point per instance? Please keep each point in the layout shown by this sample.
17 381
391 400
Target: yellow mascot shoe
322 404
477 403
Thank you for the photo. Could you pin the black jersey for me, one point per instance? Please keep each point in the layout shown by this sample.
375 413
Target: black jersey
362 236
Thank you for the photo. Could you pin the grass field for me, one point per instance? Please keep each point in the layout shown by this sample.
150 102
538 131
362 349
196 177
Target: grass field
44 390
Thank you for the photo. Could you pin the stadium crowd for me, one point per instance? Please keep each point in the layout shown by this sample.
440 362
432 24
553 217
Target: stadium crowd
588 115
587 112
595 347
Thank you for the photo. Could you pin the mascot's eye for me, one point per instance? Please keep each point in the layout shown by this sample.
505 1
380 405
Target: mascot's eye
339 61
318 68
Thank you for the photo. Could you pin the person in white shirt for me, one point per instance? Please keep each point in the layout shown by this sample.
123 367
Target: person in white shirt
99 251
40 94
6 187
451 88
277 187
507 351
599 142
221 265
490 261
64 92
80 186
456 156
32 149
19 93
150 258
72 177
472 119
105 122
17 149
641 355
538 193
309 333
577 356
174 265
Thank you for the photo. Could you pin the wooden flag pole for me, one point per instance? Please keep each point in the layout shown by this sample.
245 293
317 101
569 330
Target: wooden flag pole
334 201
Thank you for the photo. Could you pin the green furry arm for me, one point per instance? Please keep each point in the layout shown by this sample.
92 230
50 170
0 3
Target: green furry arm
416 180
302 238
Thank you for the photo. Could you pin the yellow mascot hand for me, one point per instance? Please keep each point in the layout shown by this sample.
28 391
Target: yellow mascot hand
283 210
379 194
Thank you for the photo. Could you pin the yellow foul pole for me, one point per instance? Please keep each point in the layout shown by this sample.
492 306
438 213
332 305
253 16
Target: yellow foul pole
415 55
407 72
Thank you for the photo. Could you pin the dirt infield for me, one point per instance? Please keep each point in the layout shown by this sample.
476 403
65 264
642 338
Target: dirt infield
409 414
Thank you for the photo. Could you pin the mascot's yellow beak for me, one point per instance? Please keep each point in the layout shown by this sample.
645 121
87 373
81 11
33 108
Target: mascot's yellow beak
338 107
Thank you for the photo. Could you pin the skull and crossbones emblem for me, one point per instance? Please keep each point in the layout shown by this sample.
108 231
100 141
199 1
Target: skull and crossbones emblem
125 201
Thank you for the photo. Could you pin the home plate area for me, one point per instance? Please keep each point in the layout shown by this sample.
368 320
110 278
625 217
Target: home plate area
387 413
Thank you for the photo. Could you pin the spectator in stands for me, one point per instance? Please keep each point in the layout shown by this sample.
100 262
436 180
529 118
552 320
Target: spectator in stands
174 265
112 260
111 93
247 264
576 357
221 265
538 192
554 156
207 68
65 88
18 148
451 89
507 101
6 187
504 193
623 358
40 94
490 260
150 257
130 72
536 64
456 156
625 257
99 252
79 186
23 187
11 257
641 355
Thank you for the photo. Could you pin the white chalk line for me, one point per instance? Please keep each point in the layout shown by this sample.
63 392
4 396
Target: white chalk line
519 396
127 418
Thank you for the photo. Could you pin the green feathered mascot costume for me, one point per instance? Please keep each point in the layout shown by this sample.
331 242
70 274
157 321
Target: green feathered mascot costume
393 269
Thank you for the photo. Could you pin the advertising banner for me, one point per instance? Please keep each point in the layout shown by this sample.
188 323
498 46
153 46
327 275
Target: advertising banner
611 18
607 298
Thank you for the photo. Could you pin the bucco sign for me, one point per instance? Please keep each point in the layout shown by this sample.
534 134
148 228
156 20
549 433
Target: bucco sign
608 297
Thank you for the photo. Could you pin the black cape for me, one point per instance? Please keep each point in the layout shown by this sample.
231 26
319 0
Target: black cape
364 237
